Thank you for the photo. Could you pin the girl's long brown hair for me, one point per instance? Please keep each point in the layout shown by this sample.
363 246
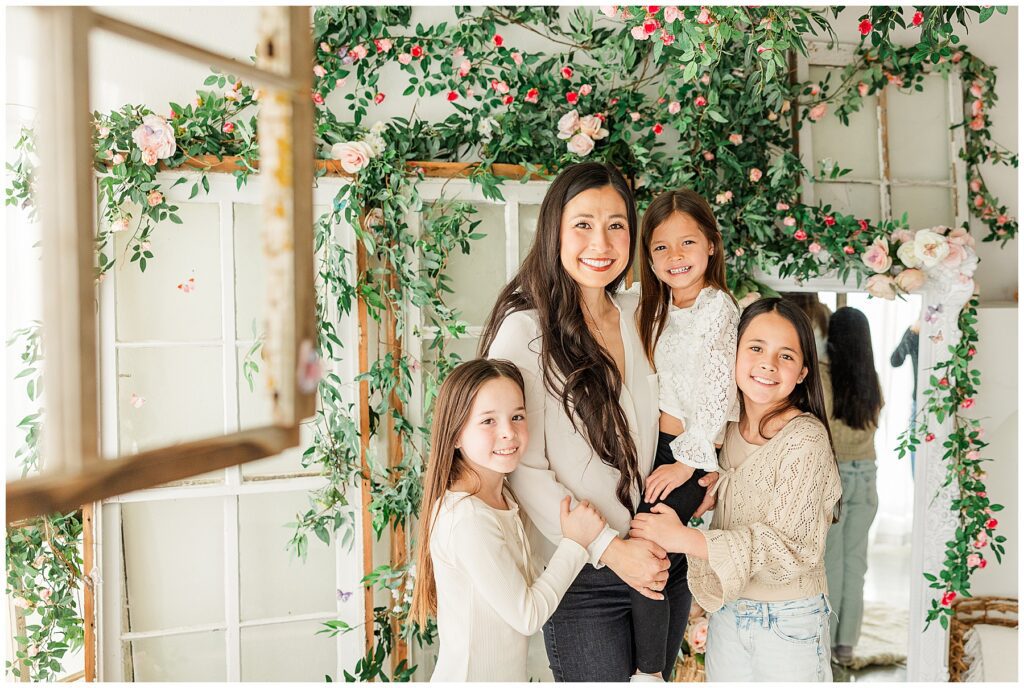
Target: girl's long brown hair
808 396
856 392
576 368
655 295
445 464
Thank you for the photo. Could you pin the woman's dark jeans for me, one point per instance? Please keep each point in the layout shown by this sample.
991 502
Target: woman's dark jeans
651 617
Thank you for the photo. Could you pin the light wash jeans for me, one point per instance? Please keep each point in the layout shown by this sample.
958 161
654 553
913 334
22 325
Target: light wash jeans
846 549
770 641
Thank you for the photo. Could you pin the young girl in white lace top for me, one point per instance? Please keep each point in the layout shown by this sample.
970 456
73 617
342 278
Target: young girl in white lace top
760 568
687 321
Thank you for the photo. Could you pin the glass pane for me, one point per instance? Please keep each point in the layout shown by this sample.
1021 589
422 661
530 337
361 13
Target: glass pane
919 136
861 200
250 269
174 562
854 147
288 652
181 281
926 206
478 277
528 215
287 463
255 402
273 581
190 657
168 395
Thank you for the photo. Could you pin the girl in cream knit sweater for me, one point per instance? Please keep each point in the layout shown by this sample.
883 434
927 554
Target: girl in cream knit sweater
475 568
760 568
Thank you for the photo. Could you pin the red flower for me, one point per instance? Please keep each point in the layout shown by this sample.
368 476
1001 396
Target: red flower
507 100
830 221
379 98
800 235
317 98
929 437
700 101
863 225
991 524
613 101
657 129
651 25
452 96
228 127
849 250
944 382
532 95
948 597
865 27
653 9
918 18
498 40
416 51
967 403
572 97
971 351
566 72
982 564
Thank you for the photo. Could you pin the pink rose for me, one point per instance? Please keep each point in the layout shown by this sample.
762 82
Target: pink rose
635 116
458 52
566 72
697 634
973 560
877 256
318 98
585 89
325 47
228 128
976 90
814 247
704 17
149 157
957 56
674 107
782 206
517 58
817 112
977 124
465 67
755 175
789 221
739 251
736 139
723 198
354 155
800 235
121 224
609 10
982 540
973 455
339 83
319 70
977 107
862 89
705 78
156 135
881 286
671 14
708 155
700 101
1002 220
580 144
638 33
383 45
568 124
405 58
667 38
591 126
910 280
979 201
358 52
532 95
378 99
956 255
902 236
118 158
154 198
975 185
46 594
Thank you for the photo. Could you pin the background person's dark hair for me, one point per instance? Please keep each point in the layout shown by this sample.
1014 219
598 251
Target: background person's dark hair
807 396
812 307
655 294
856 391
576 368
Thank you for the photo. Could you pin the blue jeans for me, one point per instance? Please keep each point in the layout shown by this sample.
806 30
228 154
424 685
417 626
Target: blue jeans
770 641
590 635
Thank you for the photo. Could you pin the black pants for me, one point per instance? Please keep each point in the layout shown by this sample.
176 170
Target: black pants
651 617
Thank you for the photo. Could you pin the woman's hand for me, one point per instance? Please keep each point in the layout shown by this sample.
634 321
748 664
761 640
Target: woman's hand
662 526
664 479
707 481
642 565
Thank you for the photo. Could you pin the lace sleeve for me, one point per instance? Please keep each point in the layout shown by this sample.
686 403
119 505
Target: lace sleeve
715 387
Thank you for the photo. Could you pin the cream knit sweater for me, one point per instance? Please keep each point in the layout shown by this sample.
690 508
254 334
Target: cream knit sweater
767 535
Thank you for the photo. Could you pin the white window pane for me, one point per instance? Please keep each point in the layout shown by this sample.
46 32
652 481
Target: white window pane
854 147
168 395
478 277
250 269
174 563
255 403
273 581
288 652
181 282
926 206
919 136
528 215
287 463
861 200
190 657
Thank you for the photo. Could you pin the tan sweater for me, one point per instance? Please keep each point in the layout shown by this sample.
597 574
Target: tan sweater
850 444
767 536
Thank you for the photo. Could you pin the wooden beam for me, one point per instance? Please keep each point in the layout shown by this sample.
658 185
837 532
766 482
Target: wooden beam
46 494
364 447
89 593
399 553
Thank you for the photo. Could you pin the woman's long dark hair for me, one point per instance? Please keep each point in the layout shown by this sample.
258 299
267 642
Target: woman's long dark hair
807 396
856 392
576 368
655 295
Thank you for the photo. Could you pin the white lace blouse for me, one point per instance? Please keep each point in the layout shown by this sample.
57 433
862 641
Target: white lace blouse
696 357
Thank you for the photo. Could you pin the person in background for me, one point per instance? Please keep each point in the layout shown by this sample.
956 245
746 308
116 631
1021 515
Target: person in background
817 312
908 348
853 397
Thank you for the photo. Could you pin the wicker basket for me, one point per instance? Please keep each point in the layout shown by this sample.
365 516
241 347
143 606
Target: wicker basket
688 670
968 611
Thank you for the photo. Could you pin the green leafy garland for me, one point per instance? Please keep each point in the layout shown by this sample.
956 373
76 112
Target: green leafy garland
716 76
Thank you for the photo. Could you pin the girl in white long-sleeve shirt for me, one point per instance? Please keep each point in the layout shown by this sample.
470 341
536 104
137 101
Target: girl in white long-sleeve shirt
476 570
687 321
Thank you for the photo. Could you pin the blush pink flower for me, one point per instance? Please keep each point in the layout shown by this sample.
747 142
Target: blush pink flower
789 221
814 247
586 89
977 107
566 72
976 90
319 70
881 286
736 139
378 99
977 124
704 17
353 155
383 45
591 126
700 101
697 634
154 198
708 155
156 135
982 540
973 560
800 235
580 144
782 206
532 96
317 98
635 116
817 112
902 236
674 107
755 175
723 198
228 128
910 280
877 256
609 10
405 58
517 58
118 158
975 185
862 89
638 33
671 14
149 157
464 68
568 124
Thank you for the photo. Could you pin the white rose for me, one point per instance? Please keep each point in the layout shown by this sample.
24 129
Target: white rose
376 143
591 126
907 255
568 124
930 248
378 128
580 144
486 128
354 155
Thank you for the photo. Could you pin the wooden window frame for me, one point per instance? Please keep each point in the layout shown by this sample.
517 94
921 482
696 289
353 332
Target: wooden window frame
75 471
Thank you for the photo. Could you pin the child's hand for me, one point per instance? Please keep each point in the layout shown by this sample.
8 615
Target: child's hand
662 527
583 524
664 479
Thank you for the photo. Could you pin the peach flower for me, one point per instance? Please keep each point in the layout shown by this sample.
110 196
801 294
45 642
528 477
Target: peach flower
877 256
910 280
881 286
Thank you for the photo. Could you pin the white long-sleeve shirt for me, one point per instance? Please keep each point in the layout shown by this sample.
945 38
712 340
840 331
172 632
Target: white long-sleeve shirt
490 599
696 360
558 460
